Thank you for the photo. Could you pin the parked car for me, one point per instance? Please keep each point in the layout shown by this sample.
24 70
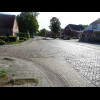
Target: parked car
32 36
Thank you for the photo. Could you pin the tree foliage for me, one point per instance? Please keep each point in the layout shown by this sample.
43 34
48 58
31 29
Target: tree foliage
35 14
55 26
27 22
42 32
83 25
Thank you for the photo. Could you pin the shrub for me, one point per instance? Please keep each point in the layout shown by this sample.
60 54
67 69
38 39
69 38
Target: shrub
25 35
4 38
2 42
44 38
25 39
75 37
21 38
12 38
67 38
57 36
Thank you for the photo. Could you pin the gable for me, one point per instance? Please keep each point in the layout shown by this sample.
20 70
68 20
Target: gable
15 26
76 27
96 22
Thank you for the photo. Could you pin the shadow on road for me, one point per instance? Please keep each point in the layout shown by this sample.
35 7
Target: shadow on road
46 39
97 43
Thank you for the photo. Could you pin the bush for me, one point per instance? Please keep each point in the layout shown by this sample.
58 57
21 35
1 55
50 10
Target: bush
57 36
67 38
22 38
75 37
25 35
4 38
25 39
2 42
12 39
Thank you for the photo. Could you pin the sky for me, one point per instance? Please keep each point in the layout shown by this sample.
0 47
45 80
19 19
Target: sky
65 18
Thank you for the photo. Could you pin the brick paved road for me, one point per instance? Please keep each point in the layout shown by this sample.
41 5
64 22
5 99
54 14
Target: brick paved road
65 63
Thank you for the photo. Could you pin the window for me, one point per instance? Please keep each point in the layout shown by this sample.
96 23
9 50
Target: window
94 27
15 25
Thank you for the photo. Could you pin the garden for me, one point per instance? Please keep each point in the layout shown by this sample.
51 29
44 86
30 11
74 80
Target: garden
4 40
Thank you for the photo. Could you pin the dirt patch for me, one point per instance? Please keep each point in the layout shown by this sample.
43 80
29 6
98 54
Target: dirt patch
20 81
8 59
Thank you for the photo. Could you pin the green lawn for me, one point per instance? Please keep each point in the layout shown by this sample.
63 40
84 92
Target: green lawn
10 43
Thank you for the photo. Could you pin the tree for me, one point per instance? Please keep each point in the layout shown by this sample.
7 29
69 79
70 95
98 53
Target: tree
55 26
27 22
35 14
42 32
83 25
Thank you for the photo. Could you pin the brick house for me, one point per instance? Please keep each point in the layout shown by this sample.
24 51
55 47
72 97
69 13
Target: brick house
8 25
71 30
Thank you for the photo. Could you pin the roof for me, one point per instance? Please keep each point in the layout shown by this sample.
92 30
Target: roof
6 21
96 22
75 27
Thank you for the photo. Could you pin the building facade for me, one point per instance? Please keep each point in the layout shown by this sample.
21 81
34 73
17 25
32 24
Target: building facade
91 32
71 30
8 25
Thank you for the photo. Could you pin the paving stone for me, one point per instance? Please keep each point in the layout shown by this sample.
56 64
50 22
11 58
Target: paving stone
29 85
53 56
25 72
24 85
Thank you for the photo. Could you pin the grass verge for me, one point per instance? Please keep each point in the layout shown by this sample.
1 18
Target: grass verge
11 43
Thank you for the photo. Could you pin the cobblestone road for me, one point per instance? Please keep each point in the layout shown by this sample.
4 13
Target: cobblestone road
54 56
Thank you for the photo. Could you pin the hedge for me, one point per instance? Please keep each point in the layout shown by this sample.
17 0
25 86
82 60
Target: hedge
4 38
67 38
75 37
2 42
25 35
12 38
22 38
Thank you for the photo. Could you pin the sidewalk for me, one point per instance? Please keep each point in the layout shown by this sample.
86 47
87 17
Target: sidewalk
19 68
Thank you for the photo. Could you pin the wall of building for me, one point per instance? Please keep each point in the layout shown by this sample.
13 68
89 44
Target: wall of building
5 31
90 27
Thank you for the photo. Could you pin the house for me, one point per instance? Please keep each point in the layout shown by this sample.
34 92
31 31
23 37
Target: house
91 32
71 30
60 33
8 25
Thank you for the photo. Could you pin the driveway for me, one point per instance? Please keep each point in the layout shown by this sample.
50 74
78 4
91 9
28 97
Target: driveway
65 63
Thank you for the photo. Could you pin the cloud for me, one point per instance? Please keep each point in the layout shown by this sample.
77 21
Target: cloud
11 13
